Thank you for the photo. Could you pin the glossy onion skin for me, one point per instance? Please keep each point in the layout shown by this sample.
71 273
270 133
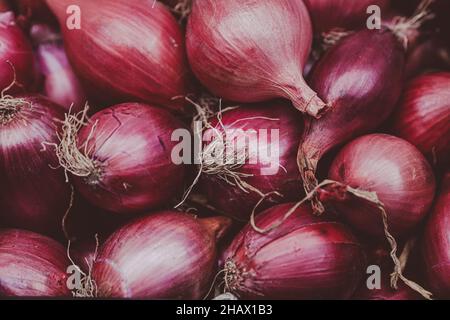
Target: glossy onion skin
436 244
231 199
345 14
251 51
15 49
167 255
362 91
399 174
31 265
33 194
132 143
307 257
126 50
423 116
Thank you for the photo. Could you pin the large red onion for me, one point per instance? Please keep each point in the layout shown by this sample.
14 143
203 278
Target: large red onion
126 51
60 82
344 14
396 171
251 51
361 91
270 132
33 195
31 265
423 116
168 255
306 257
123 161
16 55
436 244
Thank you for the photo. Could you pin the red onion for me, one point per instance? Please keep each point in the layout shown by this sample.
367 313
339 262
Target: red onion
349 15
31 265
60 83
306 257
436 243
431 54
33 195
251 51
264 164
126 51
16 55
122 161
168 255
396 171
423 116
361 91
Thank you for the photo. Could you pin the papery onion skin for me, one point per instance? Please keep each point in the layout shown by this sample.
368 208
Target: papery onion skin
423 116
16 55
436 243
396 171
126 51
132 145
361 91
252 51
31 265
306 257
344 14
167 255
33 194
61 85
285 179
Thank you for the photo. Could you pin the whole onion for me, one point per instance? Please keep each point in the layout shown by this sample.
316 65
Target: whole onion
430 54
121 159
264 164
306 257
436 243
423 116
16 55
361 91
167 255
396 171
60 82
344 14
33 195
31 265
126 51
251 51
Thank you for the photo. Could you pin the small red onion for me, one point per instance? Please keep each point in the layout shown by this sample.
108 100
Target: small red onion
270 132
16 55
126 51
168 255
123 160
252 51
436 243
423 116
344 14
31 265
33 195
306 257
361 91
396 171
60 82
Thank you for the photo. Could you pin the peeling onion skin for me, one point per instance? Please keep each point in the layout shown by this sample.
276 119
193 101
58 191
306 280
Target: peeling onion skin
436 243
423 116
167 255
32 265
126 51
132 144
252 51
231 199
307 257
399 174
33 195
